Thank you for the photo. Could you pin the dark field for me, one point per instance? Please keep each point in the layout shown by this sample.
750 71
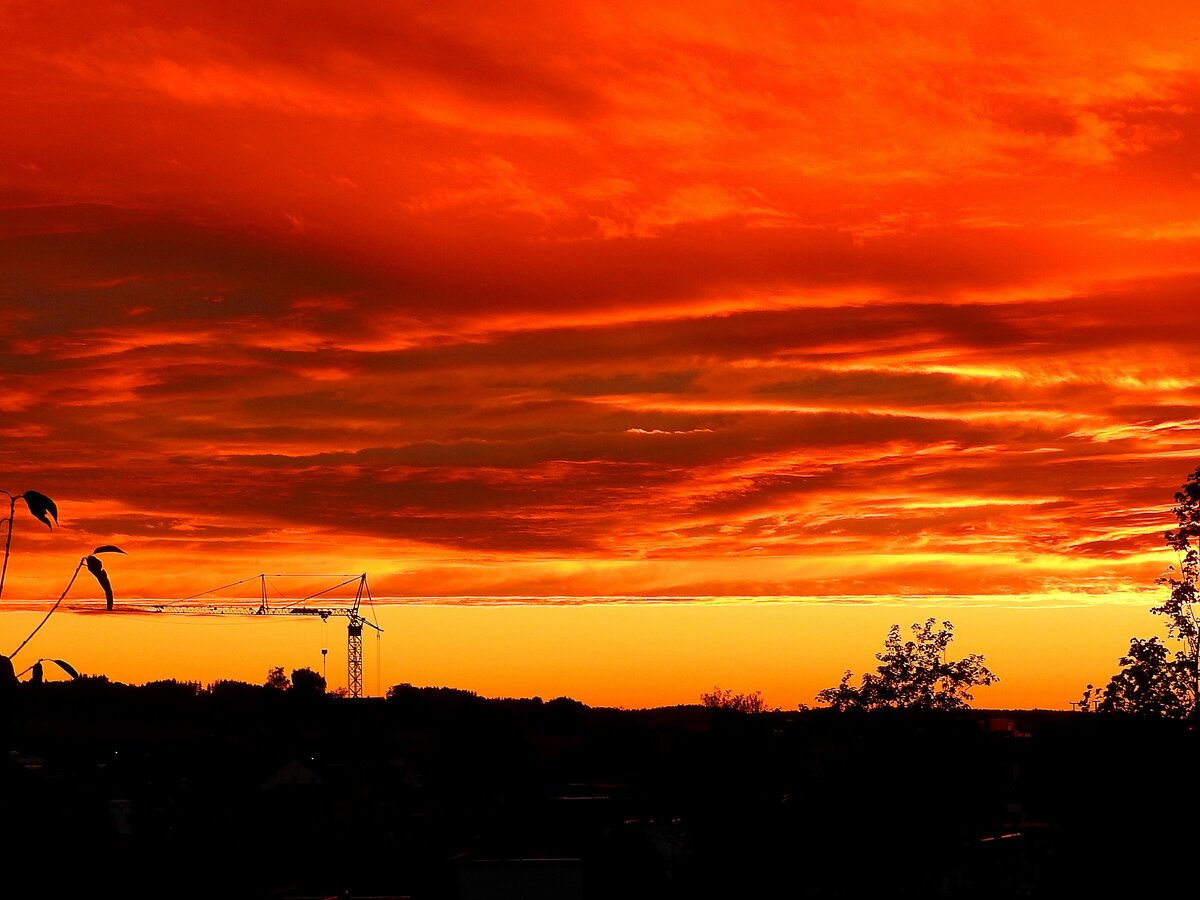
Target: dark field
434 794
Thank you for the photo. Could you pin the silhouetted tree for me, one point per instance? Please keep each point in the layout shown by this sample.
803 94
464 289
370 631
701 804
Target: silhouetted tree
172 689
302 681
238 691
277 680
306 681
1153 681
913 675
1090 699
1154 678
726 699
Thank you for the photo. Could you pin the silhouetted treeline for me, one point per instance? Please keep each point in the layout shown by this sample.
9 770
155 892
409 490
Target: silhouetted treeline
238 790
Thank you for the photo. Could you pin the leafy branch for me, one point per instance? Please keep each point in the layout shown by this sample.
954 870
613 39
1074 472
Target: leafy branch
45 510
38 672
40 507
92 564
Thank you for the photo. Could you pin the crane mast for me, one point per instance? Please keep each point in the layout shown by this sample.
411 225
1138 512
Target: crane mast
354 626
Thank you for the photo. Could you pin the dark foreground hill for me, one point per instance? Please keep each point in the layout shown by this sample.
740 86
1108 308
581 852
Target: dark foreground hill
435 794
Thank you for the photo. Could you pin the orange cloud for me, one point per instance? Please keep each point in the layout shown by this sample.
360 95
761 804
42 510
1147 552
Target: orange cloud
854 301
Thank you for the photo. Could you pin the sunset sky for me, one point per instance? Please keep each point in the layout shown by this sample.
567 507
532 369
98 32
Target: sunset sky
796 320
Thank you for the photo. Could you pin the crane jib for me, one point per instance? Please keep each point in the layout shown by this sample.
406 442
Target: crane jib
354 626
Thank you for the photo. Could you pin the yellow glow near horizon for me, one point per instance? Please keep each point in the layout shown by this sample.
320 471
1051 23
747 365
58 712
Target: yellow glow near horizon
616 654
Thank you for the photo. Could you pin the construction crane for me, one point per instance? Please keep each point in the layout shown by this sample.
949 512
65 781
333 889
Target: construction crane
354 626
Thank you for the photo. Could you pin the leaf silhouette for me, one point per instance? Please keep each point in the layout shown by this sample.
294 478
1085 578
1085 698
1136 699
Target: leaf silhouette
41 505
108 548
66 667
97 569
